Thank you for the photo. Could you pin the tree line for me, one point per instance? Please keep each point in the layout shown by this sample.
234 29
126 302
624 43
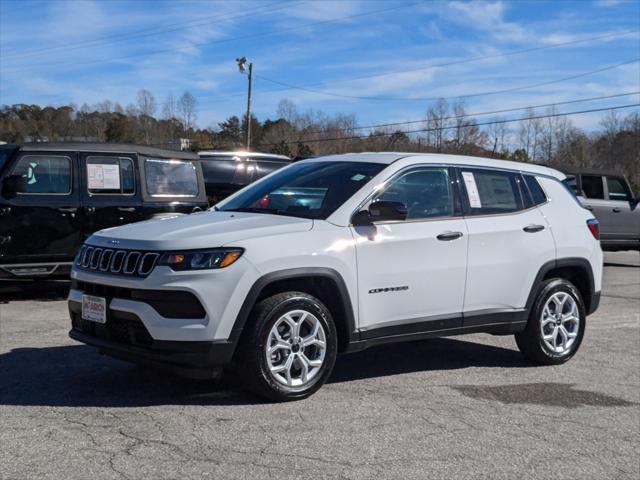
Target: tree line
538 136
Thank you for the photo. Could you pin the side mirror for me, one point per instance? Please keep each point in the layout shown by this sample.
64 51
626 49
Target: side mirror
13 184
361 219
635 202
386 211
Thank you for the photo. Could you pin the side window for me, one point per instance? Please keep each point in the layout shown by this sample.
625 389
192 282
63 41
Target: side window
491 191
171 178
592 186
110 175
535 190
45 174
618 189
426 192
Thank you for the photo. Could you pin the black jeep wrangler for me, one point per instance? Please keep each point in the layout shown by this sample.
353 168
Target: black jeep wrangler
52 196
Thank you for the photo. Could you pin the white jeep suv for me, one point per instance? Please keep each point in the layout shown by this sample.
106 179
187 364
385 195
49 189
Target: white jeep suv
341 253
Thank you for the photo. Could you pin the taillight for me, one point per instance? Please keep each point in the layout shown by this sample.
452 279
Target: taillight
594 228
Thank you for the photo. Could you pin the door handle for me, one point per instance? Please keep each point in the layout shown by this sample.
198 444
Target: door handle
533 228
616 210
5 211
126 209
91 210
68 210
448 236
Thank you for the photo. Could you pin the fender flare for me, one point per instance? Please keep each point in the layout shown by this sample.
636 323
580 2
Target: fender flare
579 262
292 273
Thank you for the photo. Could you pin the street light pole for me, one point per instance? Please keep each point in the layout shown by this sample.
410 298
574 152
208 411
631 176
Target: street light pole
248 69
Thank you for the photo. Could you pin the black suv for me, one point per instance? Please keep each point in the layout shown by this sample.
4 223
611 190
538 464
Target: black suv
55 195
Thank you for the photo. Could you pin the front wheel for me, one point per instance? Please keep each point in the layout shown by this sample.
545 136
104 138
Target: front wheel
556 324
289 347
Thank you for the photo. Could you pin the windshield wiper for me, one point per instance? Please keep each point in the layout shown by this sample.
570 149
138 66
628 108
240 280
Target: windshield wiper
273 211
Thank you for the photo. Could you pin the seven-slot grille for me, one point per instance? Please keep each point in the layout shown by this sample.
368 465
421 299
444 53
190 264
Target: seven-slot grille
120 262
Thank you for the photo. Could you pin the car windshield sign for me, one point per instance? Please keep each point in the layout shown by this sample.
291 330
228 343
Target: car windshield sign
308 190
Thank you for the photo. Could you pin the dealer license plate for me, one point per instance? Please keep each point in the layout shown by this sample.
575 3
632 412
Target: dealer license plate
94 309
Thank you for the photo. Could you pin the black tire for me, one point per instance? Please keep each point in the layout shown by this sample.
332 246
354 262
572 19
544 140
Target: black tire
530 341
251 359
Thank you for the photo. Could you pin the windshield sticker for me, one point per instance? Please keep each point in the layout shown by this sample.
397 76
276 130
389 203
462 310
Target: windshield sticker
103 176
472 190
358 177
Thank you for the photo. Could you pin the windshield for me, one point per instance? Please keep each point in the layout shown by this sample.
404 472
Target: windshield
308 190
171 178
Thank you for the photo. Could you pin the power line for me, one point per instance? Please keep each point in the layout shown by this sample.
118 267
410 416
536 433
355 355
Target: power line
109 39
227 40
493 92
450 127
493 112
462 61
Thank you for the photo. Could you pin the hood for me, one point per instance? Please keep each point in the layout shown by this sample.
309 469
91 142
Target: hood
199 230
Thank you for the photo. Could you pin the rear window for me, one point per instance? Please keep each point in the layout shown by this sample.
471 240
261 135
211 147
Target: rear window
592 186
491 192
171 178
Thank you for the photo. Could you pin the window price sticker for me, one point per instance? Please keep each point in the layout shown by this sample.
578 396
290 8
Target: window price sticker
103 176
472 190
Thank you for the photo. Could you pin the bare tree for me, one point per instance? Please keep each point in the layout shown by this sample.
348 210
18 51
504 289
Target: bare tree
435 124
147 108
187 110
497 135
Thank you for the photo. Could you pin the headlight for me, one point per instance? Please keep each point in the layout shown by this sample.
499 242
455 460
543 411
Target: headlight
200 259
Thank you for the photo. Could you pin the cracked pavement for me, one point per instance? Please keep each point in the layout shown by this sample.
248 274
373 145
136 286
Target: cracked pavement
460 407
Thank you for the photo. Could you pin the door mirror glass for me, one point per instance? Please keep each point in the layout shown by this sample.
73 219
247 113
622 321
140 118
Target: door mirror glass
14 184
384 210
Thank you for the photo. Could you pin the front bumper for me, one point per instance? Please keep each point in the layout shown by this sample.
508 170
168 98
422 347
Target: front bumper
125 337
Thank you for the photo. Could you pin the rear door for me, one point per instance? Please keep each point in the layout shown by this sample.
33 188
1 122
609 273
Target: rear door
42 223
624 221
508 243
110 196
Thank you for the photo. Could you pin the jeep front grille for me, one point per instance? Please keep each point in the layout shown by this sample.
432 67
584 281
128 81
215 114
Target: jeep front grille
132 263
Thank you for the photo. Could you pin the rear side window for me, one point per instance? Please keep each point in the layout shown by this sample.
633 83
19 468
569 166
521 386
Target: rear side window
535 190
110 175
45 174
491 192
618 189
592 186
171 178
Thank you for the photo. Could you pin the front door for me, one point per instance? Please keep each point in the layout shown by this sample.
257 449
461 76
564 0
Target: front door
109 194
411 273
42 223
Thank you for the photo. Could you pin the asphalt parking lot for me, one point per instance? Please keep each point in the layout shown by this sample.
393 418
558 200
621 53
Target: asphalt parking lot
463 407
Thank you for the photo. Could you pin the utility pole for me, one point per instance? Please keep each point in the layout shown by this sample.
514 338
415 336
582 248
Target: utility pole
248 69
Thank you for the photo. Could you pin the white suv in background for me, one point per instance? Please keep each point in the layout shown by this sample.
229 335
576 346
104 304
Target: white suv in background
341 253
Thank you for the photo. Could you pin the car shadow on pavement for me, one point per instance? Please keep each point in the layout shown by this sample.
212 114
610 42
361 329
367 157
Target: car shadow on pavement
77 376
42 290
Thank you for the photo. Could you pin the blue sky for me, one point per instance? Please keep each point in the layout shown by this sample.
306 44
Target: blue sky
85 51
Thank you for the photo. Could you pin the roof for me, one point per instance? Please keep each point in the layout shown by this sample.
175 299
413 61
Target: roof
243 153
108 147
390 157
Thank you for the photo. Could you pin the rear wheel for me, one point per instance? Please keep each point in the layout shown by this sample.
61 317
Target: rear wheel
556 325
289 347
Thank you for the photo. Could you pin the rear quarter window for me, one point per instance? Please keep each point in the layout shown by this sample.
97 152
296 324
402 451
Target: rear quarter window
171 178
535 190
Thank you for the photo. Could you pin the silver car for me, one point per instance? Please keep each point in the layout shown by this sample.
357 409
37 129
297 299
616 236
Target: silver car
610 197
